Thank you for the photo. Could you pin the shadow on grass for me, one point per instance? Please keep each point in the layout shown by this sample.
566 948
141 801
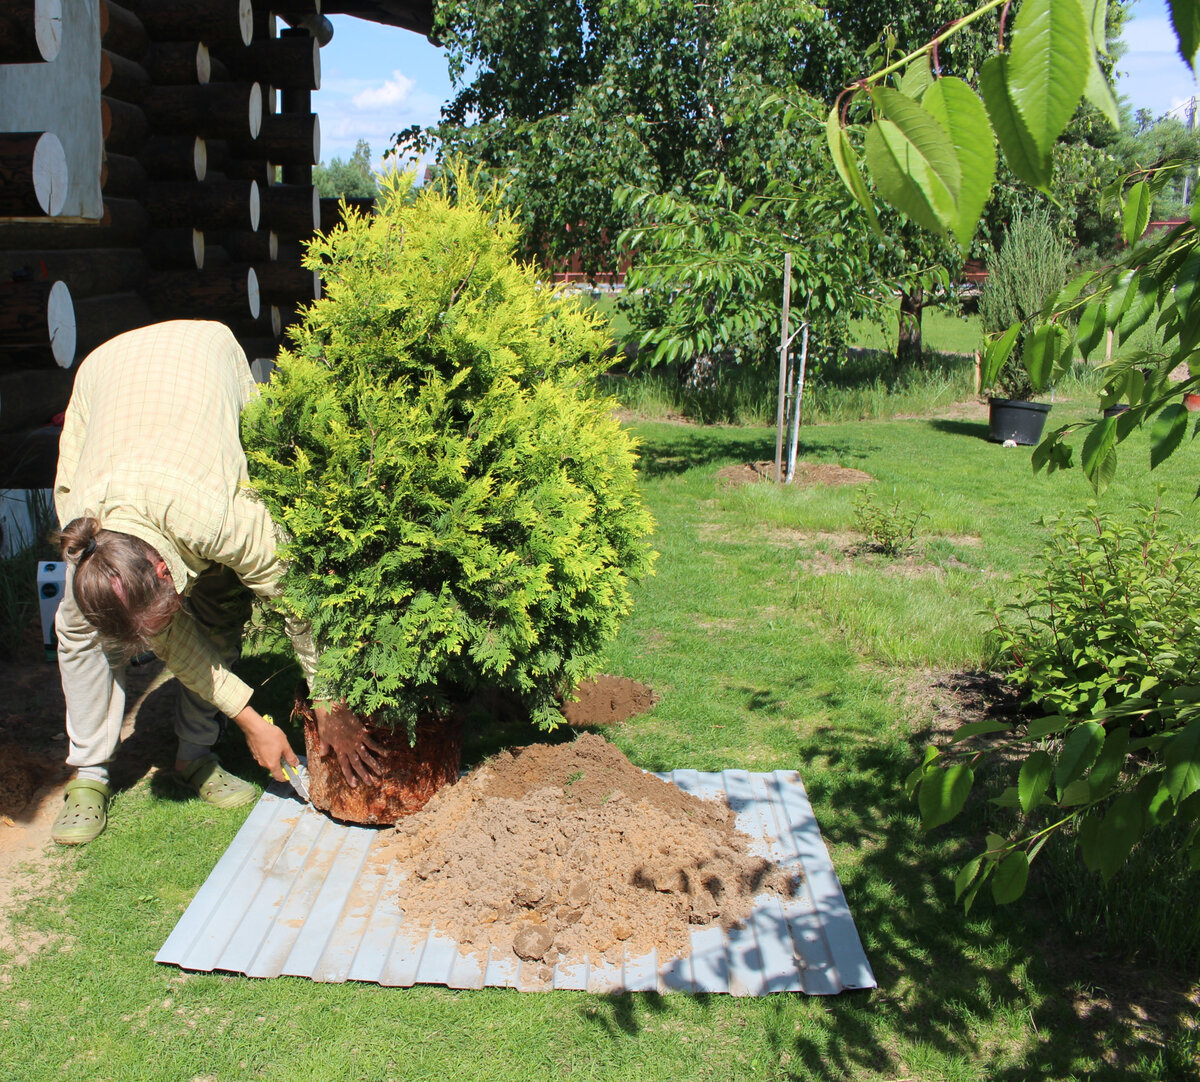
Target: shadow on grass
951 987
977 429
705 446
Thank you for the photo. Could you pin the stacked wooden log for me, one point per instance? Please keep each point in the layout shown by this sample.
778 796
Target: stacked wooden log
206 180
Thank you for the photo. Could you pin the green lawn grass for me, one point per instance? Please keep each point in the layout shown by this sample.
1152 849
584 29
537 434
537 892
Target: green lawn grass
770 649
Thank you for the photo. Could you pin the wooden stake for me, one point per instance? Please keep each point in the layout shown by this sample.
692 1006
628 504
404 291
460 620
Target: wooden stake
784 343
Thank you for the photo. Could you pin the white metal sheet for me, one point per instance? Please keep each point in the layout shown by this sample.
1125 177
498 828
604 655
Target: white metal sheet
298 894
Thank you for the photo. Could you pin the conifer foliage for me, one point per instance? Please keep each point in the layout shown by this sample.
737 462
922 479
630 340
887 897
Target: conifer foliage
460 504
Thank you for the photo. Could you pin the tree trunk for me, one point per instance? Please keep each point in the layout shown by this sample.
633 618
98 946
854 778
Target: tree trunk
29 399
104 317
214 110
123 126
224 293
410 775
121 31
291 210
179 246
285 139
218 22
908 347
179 63
122 176
175 157
87 271
122 78
286 62
231 204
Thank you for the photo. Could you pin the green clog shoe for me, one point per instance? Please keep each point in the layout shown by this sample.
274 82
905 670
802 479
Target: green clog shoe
84 813
214 784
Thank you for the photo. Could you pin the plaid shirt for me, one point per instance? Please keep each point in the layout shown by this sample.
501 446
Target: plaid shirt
151 447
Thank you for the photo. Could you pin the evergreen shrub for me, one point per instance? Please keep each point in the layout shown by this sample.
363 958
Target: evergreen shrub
1030 266
460 505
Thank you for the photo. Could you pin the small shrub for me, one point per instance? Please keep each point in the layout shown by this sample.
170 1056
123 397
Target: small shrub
1110 613
1030 266
888 529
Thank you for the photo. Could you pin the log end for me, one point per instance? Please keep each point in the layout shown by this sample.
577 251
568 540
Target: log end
60 318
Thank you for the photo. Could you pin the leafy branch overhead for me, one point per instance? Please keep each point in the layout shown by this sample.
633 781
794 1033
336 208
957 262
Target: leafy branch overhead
930 143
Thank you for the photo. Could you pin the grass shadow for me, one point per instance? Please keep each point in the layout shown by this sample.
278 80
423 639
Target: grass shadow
977 429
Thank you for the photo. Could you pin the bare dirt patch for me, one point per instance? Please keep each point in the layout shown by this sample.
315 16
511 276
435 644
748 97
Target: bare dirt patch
807 474
565 850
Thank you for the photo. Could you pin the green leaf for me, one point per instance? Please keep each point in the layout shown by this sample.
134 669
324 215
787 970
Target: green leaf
943 794
1089 844
1091 328
1009 798
1078 753
1048 65
1186 281
1109 763
1122 826
1012 873
1096 12
1078 792
912 160
1170 426
1047 726
1024 157
1100 453
917 78
978 728
846 163
996 353
1185 18
1042 349
1034 779
1099 93
966 876
1182 759
960 112
1136 214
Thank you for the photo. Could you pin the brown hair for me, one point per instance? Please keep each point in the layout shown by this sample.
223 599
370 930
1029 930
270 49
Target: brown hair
117 586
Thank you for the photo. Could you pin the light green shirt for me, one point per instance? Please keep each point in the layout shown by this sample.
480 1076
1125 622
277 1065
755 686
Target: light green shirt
151 447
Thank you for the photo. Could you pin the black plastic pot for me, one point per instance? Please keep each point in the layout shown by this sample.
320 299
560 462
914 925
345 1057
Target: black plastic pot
1021 422
1117 410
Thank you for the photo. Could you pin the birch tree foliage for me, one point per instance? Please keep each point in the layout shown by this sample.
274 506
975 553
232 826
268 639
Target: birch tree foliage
926 143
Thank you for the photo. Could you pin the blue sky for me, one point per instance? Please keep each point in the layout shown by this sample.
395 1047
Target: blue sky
377 80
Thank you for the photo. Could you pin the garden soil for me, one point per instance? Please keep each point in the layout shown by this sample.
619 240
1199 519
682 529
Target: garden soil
807 473
561 851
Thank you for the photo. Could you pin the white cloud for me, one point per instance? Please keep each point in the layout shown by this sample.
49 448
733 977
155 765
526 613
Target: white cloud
394 92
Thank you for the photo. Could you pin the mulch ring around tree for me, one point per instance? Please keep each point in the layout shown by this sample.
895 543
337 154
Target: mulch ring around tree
807 474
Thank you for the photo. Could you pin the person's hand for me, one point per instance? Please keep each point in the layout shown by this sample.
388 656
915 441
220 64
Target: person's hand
340 730
267 743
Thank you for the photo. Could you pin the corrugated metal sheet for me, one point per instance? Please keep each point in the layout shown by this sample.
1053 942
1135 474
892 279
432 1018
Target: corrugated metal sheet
298 894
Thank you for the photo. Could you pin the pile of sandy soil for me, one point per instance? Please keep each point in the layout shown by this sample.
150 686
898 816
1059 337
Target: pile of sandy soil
570 850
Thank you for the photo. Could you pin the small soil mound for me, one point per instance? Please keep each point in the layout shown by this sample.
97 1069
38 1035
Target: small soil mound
607 700
807 473
570 850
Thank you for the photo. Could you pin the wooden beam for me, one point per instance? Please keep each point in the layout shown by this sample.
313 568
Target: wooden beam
122 176
87 272
175 157
216 110
227 293
287 282
123 225
179 63
180 246
121 31
38 317
291 210
103 317
245 247
291 61
122 125
230 204
122 78
30 31
218 22
285 139
33 174
32 398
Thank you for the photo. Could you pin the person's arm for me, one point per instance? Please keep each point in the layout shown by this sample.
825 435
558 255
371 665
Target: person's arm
267 742
248 545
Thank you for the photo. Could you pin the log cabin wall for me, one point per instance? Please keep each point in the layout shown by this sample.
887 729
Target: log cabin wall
179 184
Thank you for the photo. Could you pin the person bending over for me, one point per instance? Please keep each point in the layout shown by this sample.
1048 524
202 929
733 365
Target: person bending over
166 548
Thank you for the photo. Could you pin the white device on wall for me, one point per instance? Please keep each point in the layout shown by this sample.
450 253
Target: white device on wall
51 584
